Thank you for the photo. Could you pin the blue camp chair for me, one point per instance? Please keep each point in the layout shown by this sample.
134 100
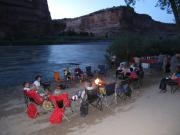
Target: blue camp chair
102 69
89 71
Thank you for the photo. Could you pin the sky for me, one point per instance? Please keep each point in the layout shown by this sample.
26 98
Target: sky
75 8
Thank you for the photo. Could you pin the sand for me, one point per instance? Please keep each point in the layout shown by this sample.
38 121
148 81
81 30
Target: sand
147 113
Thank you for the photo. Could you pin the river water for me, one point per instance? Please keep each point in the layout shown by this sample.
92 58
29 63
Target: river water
23 63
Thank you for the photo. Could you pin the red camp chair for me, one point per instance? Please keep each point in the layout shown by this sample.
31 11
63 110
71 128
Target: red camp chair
32 99
33 96
32 111
60 102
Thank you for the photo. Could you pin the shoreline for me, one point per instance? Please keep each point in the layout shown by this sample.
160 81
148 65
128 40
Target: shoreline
51 42
13 110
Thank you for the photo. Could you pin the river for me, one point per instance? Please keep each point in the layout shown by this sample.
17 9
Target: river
23 63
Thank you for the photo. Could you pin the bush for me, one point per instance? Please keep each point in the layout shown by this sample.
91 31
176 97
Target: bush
129 45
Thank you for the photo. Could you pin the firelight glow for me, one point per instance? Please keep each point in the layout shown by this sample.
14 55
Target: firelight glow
97 81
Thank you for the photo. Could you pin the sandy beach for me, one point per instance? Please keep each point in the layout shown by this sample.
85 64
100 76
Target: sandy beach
147 113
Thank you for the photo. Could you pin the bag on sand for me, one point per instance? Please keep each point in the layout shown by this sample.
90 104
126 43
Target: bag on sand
84 108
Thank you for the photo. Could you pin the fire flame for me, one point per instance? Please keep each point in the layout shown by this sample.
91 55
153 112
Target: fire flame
97 81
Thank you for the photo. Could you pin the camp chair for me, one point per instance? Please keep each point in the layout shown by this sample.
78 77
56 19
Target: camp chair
101 70
109 91
94 99
57 77
60 103
123 90
33 97
174 85
137 80
89 71
32 111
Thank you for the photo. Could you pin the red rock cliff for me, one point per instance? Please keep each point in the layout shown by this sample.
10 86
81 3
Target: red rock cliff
113 21
24 18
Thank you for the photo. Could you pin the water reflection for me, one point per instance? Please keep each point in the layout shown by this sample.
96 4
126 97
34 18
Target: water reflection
21 63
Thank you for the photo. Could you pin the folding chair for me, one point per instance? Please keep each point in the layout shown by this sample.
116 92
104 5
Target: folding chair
173 85
101 69
109 91
94 99
60 103
32 100
89 71
33 96
123 90
57 77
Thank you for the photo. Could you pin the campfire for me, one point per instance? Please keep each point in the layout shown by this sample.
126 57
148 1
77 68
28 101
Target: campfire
98 82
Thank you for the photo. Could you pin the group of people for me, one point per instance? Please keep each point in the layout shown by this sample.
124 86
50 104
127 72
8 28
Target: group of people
78 74
128 71
39 87
170 65
173 80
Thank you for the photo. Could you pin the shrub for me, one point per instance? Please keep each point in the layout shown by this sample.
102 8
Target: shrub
129 45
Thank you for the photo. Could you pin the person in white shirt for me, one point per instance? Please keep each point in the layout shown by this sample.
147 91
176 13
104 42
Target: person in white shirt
88 87
37 85
37 82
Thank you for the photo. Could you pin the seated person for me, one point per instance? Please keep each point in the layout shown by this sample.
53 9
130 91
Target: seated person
78 72
26 86
175 76
58 90
88 87
119 69
123 87
122 70
67 74
133 74
171 79
125 72
132 65
37 85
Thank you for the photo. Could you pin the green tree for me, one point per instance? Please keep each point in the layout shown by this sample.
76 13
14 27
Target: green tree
172 6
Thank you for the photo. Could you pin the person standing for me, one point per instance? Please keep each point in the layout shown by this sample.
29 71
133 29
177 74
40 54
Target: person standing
175 61
113 61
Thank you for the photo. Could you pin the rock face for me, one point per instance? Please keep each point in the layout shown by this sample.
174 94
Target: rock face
24 18
111 22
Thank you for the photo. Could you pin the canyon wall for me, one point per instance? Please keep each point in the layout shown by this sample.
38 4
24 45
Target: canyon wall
24 18
113 21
